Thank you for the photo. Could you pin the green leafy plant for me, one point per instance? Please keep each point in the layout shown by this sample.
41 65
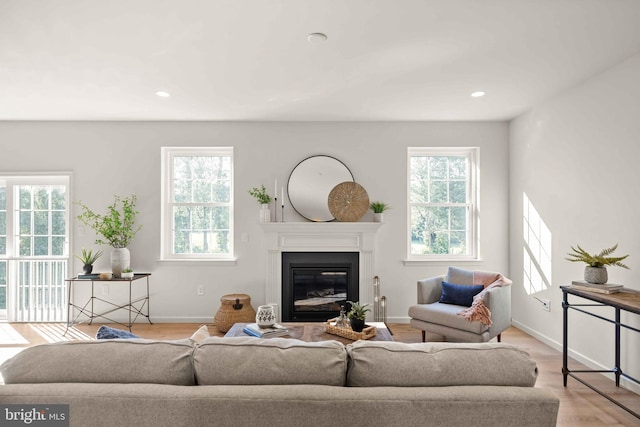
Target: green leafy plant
601 260
127 270
117 227
87 257
379 207
260 194
357 311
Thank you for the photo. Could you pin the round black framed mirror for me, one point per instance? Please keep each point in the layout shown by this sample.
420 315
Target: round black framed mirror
310 183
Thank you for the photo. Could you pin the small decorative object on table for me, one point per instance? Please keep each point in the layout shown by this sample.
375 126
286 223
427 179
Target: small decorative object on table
596 271
357 315
275 330
265 316
127 273
88 258
366 333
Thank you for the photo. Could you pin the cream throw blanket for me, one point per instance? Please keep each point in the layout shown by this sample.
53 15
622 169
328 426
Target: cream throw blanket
479 311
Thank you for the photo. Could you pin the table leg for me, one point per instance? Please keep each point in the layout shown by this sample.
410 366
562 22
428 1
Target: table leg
565 338
617 370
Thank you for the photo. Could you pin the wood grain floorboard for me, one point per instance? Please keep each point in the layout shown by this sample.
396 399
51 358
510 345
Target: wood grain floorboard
579 405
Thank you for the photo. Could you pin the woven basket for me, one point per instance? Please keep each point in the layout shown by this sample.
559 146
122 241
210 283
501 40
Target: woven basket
234 308
347 332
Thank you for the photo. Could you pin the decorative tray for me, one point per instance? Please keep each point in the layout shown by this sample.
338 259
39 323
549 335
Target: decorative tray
346 332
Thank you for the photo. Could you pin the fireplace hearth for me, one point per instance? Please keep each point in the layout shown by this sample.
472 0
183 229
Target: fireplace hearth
315 285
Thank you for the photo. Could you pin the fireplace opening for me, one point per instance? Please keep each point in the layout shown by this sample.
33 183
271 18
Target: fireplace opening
316 284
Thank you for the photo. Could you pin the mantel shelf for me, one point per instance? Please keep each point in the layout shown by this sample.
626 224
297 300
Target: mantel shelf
276 227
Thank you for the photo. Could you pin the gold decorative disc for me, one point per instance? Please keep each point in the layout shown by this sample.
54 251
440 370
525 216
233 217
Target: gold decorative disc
348 201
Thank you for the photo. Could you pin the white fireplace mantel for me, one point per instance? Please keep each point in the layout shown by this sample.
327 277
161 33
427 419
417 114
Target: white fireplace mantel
319 237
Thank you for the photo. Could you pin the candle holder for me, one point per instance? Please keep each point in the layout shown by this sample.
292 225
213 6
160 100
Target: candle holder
282 216
275 209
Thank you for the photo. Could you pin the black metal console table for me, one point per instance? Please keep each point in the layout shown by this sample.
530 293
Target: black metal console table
626 300
135 307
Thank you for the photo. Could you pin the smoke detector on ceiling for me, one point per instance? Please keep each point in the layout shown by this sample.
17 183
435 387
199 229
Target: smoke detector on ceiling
316 38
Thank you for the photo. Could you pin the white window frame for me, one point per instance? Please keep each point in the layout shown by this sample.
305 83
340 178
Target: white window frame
473 201
13 313
168 153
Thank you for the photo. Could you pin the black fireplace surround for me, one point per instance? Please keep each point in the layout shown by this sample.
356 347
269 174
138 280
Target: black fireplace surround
316 284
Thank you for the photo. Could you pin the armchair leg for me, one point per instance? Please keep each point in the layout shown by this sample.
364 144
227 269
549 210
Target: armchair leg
499 337
424 335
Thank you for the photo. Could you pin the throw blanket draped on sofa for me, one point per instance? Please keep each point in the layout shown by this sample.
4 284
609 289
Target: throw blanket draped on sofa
479 311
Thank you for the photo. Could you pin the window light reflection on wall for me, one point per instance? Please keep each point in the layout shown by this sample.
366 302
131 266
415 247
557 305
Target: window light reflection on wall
537 249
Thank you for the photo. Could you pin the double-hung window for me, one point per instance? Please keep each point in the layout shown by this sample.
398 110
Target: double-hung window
197 203
443 206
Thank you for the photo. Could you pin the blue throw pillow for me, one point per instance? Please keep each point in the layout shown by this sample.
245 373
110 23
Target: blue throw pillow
107 333
459 294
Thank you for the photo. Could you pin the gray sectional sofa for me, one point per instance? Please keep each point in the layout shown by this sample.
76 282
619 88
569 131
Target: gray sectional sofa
280 382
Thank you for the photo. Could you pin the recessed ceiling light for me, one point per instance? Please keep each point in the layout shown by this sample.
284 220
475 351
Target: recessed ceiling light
163 94
478 94
316 38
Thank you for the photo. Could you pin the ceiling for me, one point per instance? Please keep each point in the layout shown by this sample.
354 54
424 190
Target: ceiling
250 60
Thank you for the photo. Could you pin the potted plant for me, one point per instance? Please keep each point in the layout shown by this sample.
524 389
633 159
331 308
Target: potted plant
596 271
88 258
378 208
117 228
127 273
264 199
357 315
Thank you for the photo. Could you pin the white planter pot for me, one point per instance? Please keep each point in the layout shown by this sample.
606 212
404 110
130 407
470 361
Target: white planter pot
120 260
128 275
378 217
265 213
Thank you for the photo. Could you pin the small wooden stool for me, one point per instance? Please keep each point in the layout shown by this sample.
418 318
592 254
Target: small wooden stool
235 308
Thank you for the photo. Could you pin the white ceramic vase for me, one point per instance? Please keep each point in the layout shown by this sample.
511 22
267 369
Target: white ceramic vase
265 213
120 260
265 316
378 217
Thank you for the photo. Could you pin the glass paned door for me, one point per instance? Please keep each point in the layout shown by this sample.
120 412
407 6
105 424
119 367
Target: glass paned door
34 250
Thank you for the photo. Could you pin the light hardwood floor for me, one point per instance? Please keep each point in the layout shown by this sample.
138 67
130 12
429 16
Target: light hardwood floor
579 405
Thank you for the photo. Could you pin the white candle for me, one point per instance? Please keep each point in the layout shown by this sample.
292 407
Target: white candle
275 190
282 196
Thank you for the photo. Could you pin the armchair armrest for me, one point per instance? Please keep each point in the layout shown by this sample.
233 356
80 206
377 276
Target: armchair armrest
498 301
429 290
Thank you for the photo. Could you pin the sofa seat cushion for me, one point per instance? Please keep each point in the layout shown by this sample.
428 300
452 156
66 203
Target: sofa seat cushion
446 315
381 364
277 361
103 361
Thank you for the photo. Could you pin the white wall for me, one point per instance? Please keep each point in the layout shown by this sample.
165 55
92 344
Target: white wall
576 158
124 157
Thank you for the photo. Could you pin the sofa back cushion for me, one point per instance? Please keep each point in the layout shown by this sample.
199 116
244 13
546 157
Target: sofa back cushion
380 364
254 361
103 361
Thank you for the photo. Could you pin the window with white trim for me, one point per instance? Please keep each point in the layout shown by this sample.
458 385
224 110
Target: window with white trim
443 209
34 247
197 203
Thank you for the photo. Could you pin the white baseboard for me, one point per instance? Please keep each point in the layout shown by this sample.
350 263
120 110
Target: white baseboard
587 361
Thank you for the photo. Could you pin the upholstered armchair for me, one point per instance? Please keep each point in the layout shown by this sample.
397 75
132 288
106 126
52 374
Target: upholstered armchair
447 312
